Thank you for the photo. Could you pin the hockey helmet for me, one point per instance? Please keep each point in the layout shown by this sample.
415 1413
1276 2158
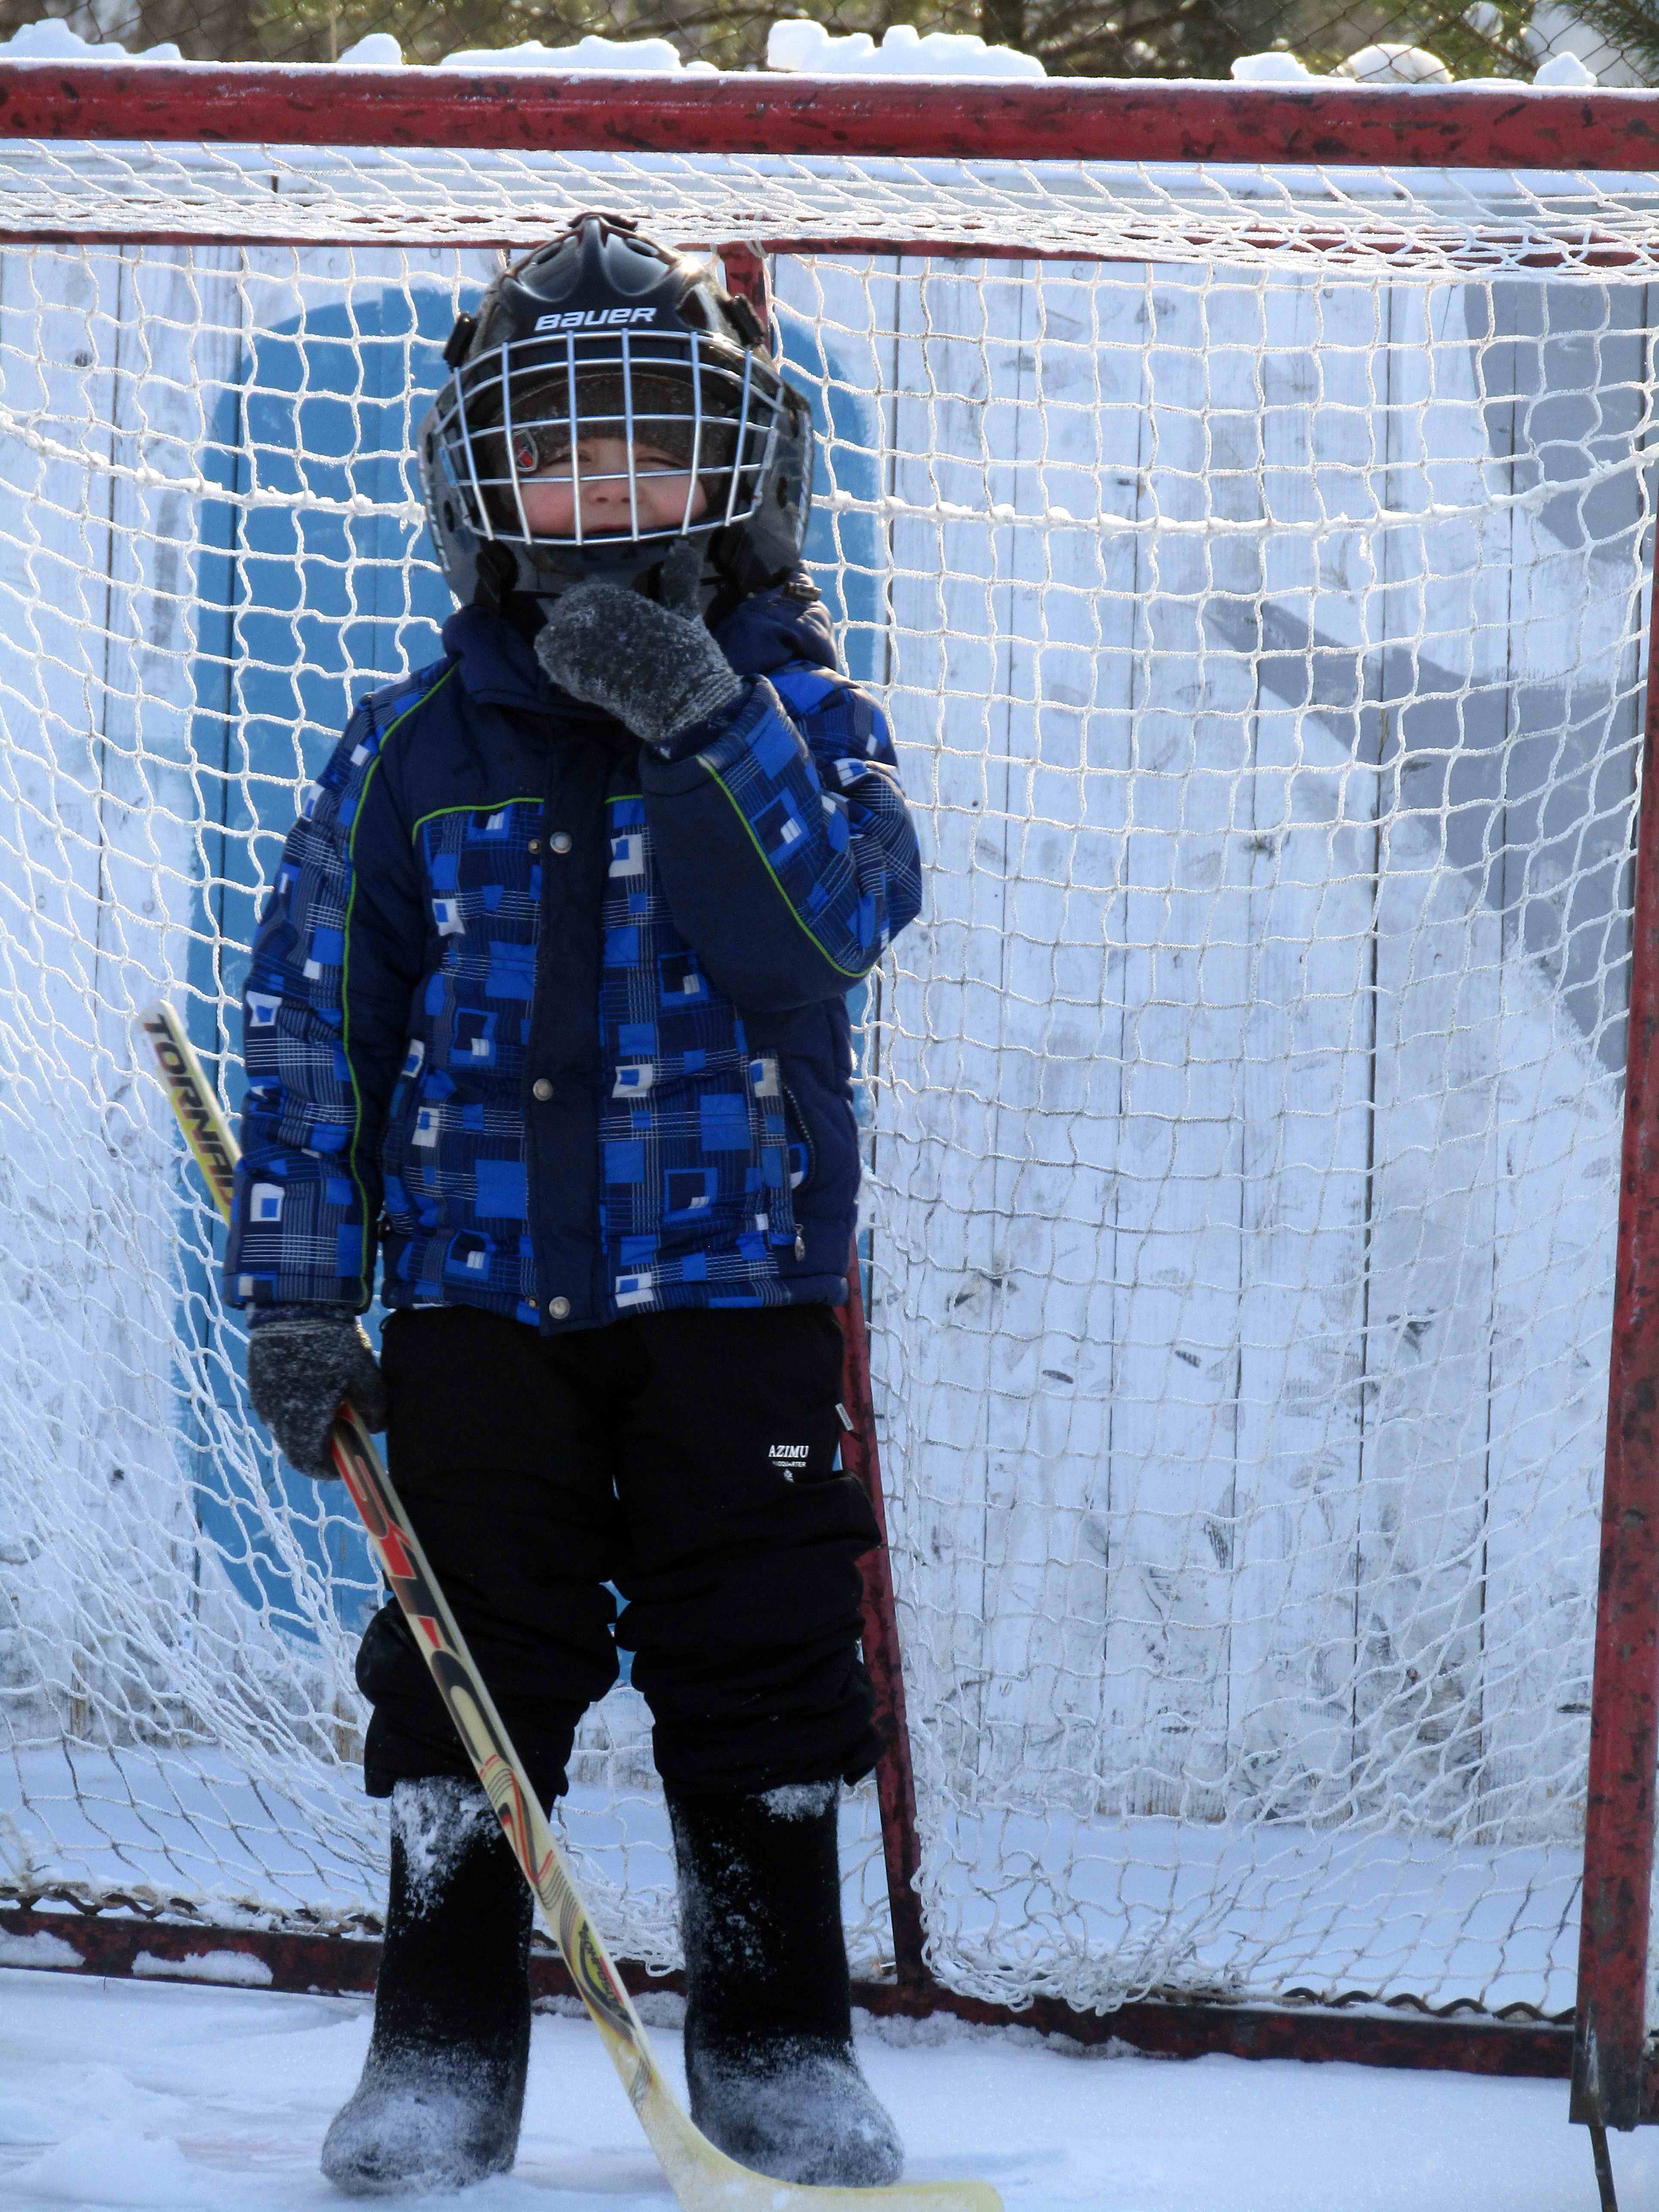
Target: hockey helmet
603 342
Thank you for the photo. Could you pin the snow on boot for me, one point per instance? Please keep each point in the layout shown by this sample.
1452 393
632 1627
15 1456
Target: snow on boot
442 2089
768 2020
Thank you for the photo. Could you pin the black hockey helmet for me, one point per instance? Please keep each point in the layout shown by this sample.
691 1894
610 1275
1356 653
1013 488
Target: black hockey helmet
600 335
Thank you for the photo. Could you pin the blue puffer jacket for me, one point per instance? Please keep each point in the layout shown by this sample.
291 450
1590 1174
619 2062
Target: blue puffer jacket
562 1024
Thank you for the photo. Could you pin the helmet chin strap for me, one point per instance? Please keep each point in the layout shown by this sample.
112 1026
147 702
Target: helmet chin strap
680 580
495 575
686 580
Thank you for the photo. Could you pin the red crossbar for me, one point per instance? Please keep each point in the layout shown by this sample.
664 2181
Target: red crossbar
1065 118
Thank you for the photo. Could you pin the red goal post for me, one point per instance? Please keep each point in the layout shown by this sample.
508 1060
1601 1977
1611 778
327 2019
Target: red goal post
876 182
1488 127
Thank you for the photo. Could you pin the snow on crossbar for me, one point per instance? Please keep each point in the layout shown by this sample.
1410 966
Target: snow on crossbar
242 152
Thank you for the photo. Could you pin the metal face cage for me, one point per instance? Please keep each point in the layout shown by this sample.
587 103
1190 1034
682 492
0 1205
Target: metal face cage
523 410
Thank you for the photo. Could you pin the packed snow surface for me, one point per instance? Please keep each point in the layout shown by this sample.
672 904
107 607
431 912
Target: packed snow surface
143 2094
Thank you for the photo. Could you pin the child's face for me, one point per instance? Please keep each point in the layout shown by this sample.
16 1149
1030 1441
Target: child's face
661 484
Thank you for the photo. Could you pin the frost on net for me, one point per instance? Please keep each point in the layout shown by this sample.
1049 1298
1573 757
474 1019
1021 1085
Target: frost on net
1259 616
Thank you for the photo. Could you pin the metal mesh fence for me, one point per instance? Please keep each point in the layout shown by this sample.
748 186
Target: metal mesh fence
1616 41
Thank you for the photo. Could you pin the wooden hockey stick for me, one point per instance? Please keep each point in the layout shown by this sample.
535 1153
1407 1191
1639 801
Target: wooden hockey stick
703 2178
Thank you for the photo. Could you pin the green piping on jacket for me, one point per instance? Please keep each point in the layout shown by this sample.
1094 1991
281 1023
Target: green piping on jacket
855 975
481 806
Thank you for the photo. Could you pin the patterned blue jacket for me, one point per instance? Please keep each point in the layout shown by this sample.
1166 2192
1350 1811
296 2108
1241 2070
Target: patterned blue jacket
562 1025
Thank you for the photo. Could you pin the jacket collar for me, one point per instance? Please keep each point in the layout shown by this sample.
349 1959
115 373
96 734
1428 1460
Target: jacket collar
499 667
789 622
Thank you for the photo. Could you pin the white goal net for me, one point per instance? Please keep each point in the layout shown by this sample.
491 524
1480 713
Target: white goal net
1258 587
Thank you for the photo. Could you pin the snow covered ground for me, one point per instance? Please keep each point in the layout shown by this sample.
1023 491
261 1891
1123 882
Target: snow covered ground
133 2095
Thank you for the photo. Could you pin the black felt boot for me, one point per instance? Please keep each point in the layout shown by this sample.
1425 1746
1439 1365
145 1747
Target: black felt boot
442 2089
768 2022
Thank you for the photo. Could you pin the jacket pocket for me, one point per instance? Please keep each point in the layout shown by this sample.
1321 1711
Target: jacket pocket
821 1138
770 1107
803 1150
396 1204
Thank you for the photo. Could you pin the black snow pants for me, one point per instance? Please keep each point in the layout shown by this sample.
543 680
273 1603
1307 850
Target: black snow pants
686 1457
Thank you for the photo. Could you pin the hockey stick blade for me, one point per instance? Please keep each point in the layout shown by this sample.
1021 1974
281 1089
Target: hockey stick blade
703 2178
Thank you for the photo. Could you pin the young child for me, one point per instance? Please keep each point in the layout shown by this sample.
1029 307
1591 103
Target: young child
548 1006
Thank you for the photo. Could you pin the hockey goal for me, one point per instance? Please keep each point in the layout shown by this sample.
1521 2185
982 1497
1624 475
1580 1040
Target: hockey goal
1247 519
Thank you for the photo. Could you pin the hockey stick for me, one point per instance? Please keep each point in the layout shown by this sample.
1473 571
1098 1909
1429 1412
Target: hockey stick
703 2178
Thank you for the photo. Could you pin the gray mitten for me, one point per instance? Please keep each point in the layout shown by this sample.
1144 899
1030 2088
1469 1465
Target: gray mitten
657 671
302 1361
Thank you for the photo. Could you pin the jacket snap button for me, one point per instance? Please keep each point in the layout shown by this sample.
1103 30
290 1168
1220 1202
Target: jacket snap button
560 841
542 1088
560 1309
534 845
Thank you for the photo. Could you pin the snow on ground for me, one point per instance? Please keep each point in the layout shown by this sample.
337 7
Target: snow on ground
116 2094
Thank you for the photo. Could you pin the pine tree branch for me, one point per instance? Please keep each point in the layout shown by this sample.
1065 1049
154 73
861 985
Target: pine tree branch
1630 27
